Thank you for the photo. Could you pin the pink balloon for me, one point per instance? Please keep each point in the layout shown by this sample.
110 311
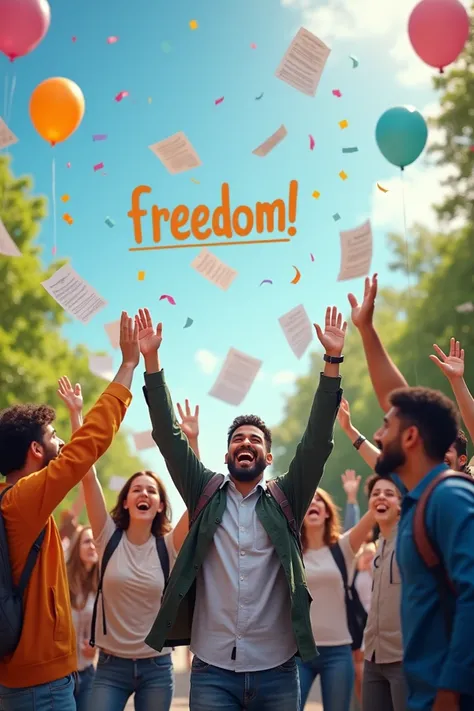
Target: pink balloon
23 24
438 31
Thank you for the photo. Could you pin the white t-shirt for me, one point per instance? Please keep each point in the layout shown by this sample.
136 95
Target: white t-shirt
132 589
328 609
363 584
82 619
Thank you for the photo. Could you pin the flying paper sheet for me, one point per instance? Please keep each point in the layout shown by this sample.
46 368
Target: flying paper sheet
304 62
271 142
143 440
7 137
297 329
102 366
236 377
113 332
356 252
116 483
176 153
7 245
212 269
75 295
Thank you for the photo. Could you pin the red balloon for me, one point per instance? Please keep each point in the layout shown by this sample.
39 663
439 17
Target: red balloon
438 30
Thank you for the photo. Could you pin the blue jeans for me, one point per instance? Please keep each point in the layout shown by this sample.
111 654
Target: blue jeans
117 678
84 688
58 694
215 689
336 669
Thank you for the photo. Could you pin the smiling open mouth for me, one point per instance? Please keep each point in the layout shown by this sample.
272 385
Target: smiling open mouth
143 506
381 508
245 457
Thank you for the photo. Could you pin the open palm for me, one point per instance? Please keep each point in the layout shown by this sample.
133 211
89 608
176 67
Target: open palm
72 397
334 332
189 422
451 365
362 314
149 339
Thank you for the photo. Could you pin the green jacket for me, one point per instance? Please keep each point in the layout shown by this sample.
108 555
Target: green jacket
172 627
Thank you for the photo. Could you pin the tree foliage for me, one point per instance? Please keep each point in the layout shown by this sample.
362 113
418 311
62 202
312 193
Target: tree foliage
33 353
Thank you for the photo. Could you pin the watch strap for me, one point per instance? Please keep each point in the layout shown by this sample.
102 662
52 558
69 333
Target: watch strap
359 441
333 359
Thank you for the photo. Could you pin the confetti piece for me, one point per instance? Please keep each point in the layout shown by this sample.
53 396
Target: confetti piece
108 221
64 198
257 98
68 165
311 142
112 40
312 257
219 101
336 217
253 46
355 61
351 149
316 195
67 218
74 39
165 47
121 95
266 281
196 182
342 175
297 276
99 137
98 166
168 298
343 124
189 322
382 190
53 251
141 276
337 93
193 25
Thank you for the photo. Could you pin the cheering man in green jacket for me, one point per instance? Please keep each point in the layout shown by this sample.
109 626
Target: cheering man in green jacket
237 592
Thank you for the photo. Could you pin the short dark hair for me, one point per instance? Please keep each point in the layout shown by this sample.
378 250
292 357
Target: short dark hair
254 421
21 425
460 444
434 415
372 480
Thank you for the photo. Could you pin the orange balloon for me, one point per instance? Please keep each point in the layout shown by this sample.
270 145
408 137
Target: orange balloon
57 107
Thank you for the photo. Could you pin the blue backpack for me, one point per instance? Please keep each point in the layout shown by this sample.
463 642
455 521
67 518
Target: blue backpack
11 596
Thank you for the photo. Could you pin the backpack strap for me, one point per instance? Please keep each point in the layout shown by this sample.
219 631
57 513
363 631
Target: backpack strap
31 559
338 556
286 509
164 557
109 550
208 492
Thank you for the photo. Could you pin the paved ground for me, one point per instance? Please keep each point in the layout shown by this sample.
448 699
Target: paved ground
180 701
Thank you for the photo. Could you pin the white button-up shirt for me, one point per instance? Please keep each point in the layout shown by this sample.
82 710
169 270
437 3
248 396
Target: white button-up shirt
242 617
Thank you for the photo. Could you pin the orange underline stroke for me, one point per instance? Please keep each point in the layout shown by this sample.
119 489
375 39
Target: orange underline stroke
209 244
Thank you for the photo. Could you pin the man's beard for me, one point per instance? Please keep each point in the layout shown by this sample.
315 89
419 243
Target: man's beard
49 455
390 460
247 473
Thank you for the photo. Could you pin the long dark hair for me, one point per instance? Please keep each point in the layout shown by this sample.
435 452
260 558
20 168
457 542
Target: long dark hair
162 521
81 581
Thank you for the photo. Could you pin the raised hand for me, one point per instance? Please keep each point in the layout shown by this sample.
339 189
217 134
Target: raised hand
362 314
451 365
149 338
350 484
189 422
344 415
72 397
334 332
129 340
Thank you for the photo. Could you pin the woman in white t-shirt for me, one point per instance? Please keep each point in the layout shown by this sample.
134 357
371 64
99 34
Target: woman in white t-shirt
321 530
133 581
83 578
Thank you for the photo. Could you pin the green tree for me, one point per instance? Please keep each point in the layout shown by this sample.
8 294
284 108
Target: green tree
33 353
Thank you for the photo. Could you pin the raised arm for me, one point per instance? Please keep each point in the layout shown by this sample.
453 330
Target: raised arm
188 474
351 484
368 451
36 496
452 366
383 372
307 466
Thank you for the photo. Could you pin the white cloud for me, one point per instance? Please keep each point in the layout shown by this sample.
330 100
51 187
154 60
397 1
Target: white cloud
284 377
206 361
369 20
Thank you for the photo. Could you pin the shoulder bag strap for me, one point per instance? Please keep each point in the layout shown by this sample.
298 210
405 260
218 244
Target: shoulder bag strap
208 492
164 557
109 550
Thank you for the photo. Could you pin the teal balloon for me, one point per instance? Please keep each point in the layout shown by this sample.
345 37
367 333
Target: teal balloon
401 135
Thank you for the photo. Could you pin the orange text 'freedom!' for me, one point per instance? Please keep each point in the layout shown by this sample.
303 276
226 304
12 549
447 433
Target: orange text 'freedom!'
223 221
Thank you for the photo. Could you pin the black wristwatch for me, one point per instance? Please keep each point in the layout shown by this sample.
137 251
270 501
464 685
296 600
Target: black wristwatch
333 359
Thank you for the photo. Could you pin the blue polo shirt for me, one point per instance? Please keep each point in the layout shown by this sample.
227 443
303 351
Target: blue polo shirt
431 662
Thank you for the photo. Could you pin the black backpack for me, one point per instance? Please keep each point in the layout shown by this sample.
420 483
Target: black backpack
11 596
109 550
356 613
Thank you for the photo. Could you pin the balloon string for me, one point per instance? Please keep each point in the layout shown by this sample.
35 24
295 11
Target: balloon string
53 191
10 100
407 266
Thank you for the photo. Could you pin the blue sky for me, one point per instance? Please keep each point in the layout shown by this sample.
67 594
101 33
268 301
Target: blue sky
213 61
